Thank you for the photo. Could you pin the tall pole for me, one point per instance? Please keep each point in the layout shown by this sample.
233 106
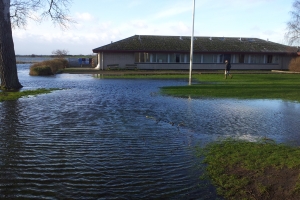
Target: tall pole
192 46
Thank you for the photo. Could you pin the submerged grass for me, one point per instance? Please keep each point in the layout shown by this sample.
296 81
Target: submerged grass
253 170
244 86
14 95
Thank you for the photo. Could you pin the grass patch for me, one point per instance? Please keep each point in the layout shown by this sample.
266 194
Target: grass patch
243 86
13 95
253 170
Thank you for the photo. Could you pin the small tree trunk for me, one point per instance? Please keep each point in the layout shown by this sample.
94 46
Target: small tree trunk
8 66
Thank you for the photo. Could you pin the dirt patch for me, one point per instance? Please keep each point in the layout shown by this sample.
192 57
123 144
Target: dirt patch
271 183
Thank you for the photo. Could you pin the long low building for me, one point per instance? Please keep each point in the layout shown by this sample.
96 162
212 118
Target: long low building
173 52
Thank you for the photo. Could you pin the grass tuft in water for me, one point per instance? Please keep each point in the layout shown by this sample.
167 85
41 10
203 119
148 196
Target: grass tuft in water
14 95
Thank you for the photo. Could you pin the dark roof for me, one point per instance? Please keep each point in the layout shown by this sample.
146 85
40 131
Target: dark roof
151 43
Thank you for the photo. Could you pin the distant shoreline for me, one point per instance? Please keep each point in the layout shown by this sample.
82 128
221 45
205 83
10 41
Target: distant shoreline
23 62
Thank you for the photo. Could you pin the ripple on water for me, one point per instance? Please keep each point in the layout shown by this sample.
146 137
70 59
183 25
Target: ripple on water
112 139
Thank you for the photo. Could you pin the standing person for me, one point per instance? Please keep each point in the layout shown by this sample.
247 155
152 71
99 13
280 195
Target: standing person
227 69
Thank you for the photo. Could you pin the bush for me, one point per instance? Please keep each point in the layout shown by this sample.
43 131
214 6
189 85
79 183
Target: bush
94 62
40 71
295 65
48 67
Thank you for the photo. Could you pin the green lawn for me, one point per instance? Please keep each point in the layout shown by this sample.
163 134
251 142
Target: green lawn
244 86
14 95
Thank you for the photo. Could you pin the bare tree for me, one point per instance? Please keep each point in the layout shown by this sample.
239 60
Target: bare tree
293 26
60 53
14 14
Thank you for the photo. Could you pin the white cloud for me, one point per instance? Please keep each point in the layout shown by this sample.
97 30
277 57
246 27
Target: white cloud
84 16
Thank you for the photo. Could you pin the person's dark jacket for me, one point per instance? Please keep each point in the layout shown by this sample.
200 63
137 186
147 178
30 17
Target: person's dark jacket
228 66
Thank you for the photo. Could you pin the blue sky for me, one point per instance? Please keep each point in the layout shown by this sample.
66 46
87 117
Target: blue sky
98 22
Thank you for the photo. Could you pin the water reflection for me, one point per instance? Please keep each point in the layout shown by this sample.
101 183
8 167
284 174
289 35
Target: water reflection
119 139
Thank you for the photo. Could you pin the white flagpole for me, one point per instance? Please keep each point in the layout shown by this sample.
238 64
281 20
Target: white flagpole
192 46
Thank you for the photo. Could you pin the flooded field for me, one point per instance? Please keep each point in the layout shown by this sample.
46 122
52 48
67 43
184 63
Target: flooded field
121 139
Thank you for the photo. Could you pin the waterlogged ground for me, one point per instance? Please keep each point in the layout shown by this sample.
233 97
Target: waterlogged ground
120 139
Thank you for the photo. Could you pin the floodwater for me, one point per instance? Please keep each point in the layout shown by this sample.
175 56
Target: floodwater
32 59
120 139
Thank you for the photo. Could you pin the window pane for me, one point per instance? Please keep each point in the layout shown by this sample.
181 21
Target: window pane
173 58
137 57
247 59
216 58
146 57
242 58
275 59
257 59
197 58
153 57
185 58
208 58
235 58
269 58
162 58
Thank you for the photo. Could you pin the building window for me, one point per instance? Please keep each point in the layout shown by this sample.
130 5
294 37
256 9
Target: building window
269 59
275 59
136 57
185 58
175 58
241 58
197 58
153 58
247 59
208 58
260 59
162 58
220 59
142 57
272 59
234 58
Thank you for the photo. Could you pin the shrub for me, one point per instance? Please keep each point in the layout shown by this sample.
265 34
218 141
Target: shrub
94 62
40 71
48 67
295 65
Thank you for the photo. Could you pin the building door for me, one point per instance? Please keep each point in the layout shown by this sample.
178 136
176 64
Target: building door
227 57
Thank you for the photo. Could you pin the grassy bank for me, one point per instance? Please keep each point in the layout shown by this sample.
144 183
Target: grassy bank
244 86
9 96
248 170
